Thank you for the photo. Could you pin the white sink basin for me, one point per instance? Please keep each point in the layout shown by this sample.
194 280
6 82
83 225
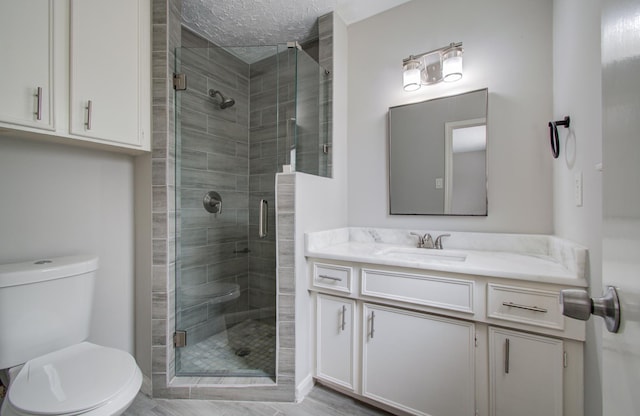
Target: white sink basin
422 254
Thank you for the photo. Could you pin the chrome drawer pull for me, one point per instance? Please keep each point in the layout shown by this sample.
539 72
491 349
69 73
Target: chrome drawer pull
507 347
344 317
39 103
373 317
525 307
89 109
324 276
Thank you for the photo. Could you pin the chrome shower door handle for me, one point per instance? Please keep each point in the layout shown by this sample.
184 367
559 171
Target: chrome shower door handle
263 226
577 304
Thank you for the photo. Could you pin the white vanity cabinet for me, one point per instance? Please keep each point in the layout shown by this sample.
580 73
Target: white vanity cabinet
420 363
26 73
77 72
336 337
426 342
525 373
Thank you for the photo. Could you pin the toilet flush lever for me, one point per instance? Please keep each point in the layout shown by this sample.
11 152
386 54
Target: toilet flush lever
577 304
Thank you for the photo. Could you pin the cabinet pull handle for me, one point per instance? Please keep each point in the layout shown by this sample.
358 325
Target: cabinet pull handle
263 226
373 317
506 355
39 103
324 276
344 317
525 307
89 108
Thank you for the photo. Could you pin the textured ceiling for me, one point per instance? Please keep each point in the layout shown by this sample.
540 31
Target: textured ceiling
269 22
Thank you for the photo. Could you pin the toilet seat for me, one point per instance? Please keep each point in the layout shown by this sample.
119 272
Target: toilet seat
79 379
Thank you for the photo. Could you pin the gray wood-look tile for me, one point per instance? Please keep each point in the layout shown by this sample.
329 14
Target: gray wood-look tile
321 401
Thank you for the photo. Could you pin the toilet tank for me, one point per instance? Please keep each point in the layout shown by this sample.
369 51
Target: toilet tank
45 305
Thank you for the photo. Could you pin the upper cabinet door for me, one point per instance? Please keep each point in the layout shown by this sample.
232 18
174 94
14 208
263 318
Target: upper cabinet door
26 72
109 70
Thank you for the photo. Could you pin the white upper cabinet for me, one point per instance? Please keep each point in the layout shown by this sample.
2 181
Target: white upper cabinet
107 63
95 55
26 72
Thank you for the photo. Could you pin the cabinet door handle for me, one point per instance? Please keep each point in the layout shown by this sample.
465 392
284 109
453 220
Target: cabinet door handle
324 276
506 355
525 307
344 317
373 317
39 103
89 109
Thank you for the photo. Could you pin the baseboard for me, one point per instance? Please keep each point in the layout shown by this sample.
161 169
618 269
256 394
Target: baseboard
146 387
304 388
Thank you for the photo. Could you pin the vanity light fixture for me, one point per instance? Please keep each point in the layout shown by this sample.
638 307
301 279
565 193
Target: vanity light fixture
442 64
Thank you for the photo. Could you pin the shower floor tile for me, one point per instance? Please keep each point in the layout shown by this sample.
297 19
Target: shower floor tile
247 349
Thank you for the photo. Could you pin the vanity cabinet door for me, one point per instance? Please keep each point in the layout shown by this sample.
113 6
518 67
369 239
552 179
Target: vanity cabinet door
109 66
335 340
525 374
26 73
420 363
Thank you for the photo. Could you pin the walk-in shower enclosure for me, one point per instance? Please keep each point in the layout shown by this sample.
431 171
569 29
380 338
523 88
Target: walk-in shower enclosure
245 113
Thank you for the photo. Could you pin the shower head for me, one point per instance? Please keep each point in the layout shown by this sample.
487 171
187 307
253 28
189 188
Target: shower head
226 102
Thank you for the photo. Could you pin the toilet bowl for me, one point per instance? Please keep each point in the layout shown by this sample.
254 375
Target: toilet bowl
50 369
83 379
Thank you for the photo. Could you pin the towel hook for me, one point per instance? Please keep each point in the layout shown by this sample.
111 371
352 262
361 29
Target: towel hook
553 134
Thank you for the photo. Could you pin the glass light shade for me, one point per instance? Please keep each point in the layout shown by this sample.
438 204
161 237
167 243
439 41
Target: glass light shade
452 65
411 76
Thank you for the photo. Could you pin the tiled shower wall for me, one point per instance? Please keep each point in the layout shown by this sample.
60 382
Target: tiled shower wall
166 37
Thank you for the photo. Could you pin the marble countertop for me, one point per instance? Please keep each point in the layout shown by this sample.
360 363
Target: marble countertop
539 258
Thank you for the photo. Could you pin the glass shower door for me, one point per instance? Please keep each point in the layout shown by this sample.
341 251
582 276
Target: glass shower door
225 273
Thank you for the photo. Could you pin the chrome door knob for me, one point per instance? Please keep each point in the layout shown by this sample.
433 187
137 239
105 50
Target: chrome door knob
576 303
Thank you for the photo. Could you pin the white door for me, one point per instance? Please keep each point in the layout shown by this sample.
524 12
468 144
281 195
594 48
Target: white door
621 201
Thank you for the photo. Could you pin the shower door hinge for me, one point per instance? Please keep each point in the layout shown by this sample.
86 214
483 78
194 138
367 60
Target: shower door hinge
325 148
180 339
179 82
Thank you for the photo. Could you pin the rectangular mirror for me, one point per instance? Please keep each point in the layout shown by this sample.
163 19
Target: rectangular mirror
438 156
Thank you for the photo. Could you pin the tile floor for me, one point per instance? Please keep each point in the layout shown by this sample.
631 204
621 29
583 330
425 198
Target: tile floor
246 349
321 401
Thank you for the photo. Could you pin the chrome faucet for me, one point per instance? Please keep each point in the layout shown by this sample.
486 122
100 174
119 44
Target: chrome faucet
424 241
438 244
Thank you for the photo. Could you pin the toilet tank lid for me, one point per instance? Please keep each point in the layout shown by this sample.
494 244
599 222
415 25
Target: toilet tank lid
33 271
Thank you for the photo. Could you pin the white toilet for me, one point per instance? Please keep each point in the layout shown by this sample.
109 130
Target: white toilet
45 311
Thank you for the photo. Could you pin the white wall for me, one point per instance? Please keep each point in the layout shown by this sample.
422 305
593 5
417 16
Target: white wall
321 203
508 49
577 92
59 200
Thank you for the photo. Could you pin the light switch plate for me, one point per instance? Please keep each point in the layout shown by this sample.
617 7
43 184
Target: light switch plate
439 183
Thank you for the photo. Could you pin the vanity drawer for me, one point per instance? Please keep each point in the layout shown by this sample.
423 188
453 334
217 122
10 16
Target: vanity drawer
525 305
438 292
331 276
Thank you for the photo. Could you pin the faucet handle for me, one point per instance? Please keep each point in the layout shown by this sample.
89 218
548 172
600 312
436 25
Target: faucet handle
438 244
428 241
420 239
